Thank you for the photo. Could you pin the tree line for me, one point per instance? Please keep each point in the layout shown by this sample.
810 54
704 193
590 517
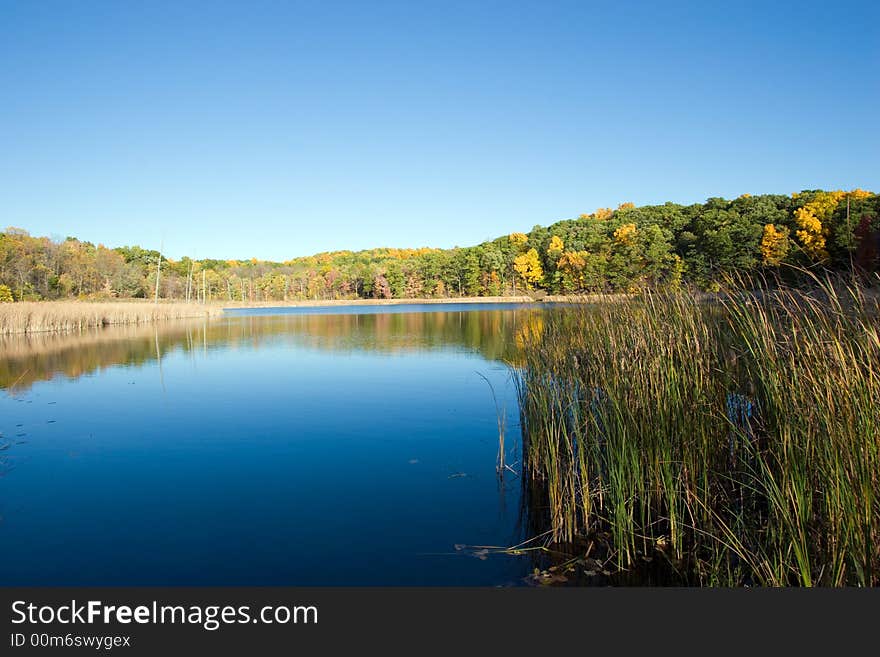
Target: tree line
609 250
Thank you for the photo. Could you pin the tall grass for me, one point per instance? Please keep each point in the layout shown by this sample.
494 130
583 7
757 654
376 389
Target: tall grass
41 316
737 441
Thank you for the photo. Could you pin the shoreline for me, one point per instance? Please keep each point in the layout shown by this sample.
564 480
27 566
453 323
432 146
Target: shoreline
523 299
329 303
66 315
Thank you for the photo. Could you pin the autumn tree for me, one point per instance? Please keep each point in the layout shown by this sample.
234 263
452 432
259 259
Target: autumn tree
570 267
813 220
774 245
528 267
625 235
518 241
381 288
867 255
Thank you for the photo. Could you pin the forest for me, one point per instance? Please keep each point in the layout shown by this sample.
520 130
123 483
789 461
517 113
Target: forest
610 250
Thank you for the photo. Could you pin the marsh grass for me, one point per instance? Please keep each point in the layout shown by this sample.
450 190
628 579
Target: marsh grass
737 442
43 316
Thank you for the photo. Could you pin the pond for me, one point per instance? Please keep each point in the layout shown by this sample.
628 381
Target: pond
304 446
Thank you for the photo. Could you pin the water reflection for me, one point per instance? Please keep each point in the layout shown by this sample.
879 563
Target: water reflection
298 448
493 333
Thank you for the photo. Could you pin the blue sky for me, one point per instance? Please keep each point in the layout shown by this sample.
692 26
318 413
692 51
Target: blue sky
278 129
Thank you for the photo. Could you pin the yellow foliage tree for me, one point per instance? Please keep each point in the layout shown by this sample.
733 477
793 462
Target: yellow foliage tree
812 220
774 244
555 248
493 283
572 260
626 206
859 194
811 233
571 265
528 266
602 213
519 240
625 234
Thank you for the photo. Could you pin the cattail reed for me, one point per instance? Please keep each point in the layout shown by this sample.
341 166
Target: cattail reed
738 441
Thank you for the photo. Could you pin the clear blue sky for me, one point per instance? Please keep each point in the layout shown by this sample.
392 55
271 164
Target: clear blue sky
277 129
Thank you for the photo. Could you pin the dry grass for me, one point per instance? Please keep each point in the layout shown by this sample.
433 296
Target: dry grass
42 316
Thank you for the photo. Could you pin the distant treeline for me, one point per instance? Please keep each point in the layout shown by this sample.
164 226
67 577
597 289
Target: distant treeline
657 246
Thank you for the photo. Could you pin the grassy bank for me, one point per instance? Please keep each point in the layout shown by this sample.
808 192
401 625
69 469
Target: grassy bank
41 316
733 443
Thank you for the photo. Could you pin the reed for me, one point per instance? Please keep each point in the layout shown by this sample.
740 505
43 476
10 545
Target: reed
43 316
501 463
738 442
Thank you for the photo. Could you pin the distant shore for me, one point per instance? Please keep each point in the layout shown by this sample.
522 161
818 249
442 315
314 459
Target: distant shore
319 303
25 317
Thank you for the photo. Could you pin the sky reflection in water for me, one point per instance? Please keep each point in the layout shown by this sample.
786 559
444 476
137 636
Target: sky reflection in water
298 448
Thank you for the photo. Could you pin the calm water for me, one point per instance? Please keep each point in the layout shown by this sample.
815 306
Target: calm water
298 447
